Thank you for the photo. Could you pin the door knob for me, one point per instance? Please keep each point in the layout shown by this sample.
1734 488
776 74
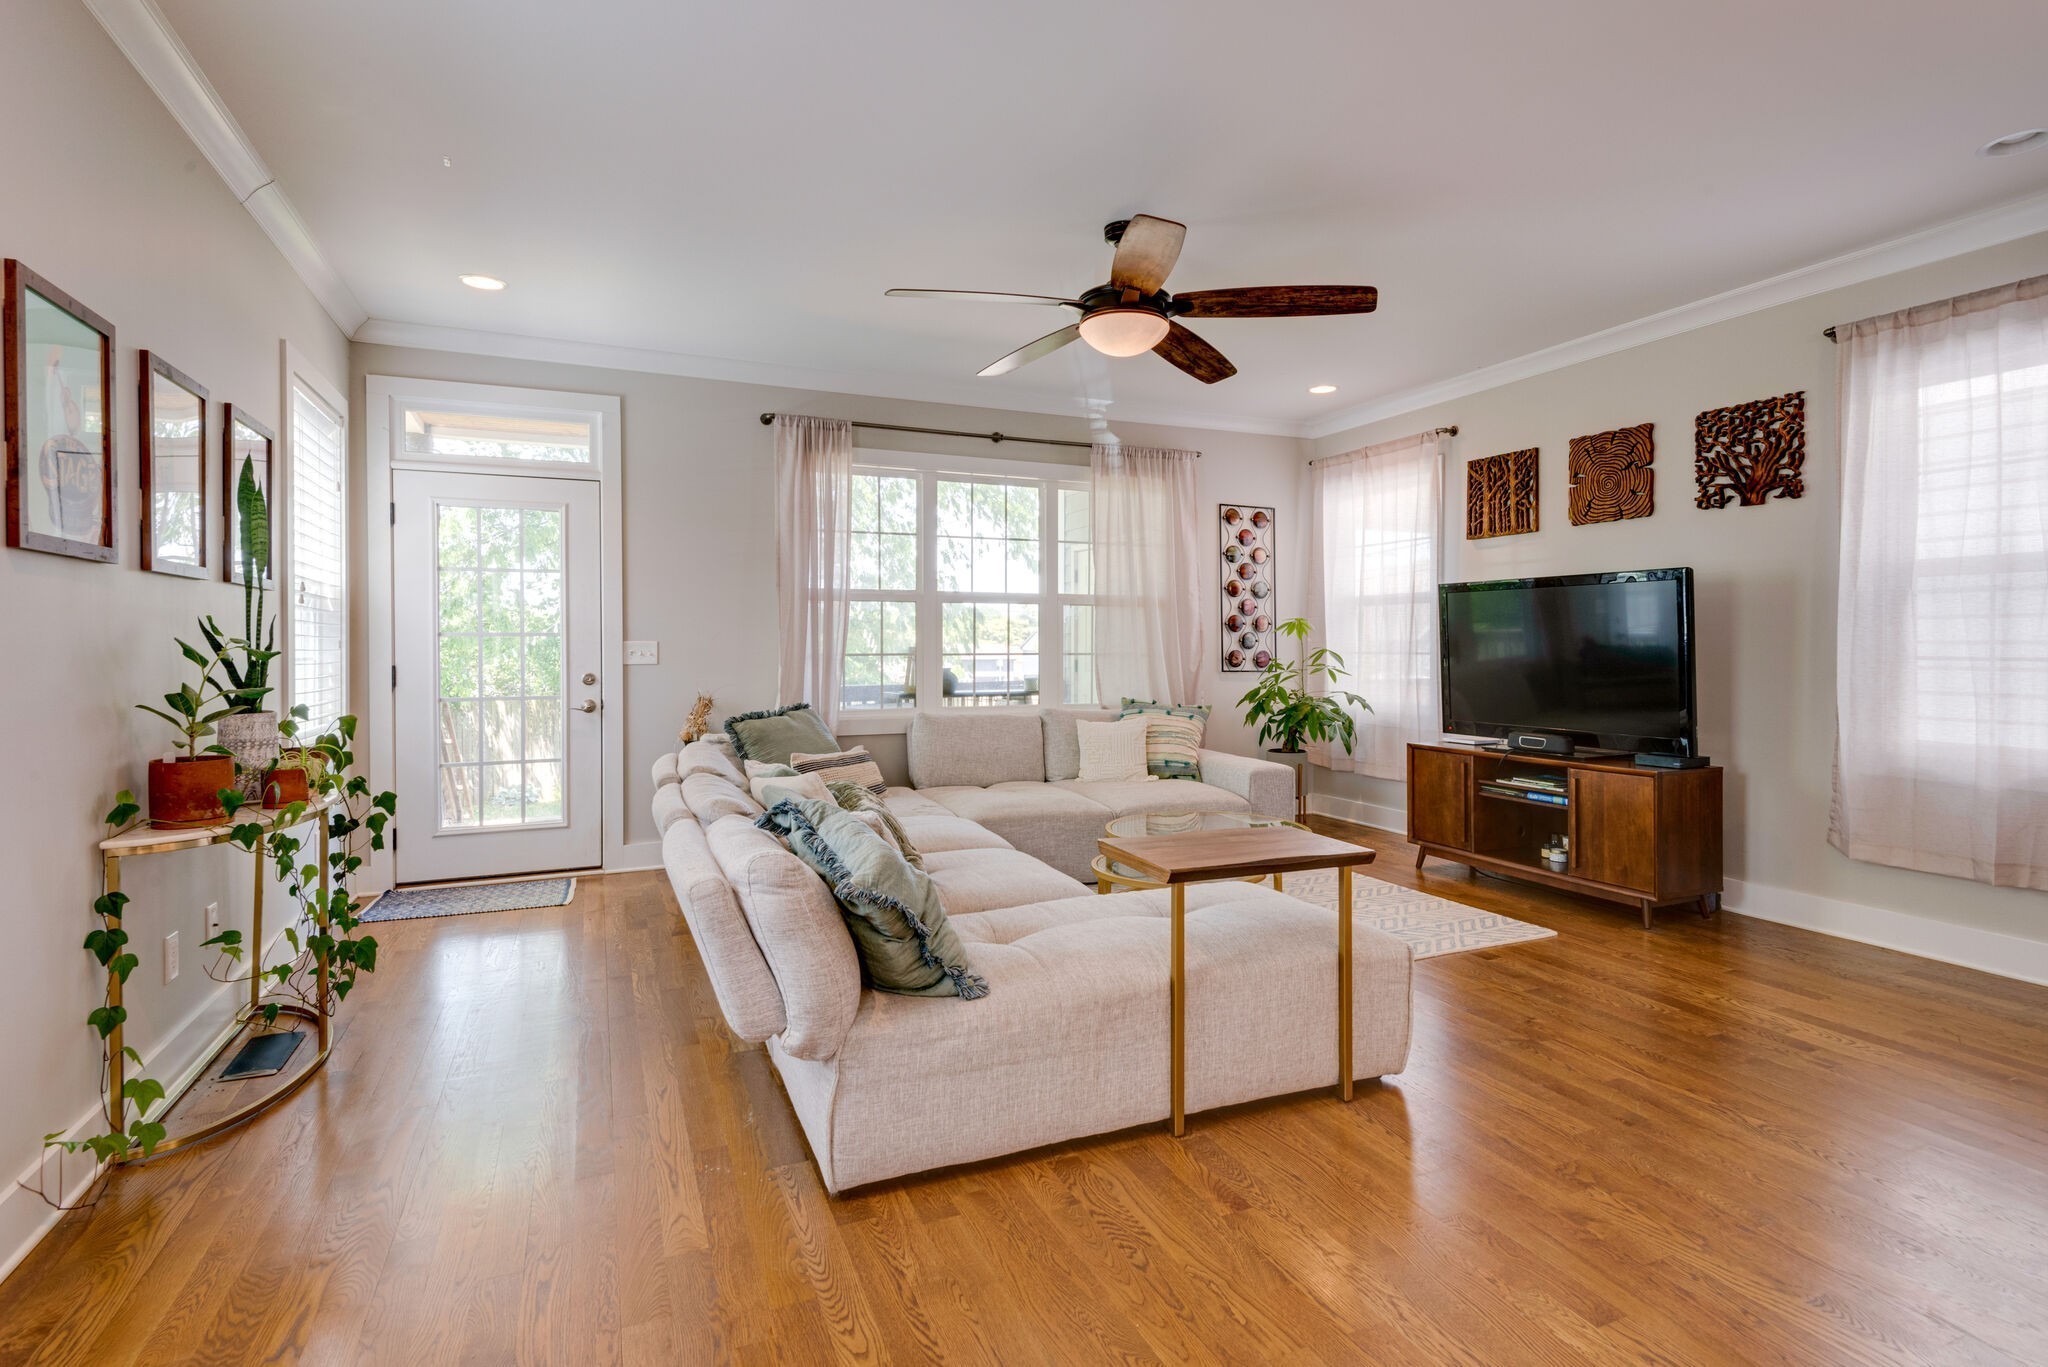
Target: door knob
587 705
590 678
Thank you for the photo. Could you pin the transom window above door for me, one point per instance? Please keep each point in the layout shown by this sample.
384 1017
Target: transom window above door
970 588
464 435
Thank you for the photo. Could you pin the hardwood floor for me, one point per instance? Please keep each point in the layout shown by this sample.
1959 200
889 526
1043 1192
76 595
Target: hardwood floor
1719 1142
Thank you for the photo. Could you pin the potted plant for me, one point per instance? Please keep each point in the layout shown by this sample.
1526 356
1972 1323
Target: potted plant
1285 711
249 731
184 790
299 768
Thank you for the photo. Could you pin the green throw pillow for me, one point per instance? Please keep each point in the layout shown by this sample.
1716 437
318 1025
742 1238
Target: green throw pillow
893 911
855 798
1173 737
772 737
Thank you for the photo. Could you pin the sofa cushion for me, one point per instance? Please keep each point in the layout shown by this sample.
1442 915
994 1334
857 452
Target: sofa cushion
740 977
664 772
982 880
894 911
772 736
710 797
800 931
1007 925
702 757
1062 742
854 798
1131 799
1044 820
669 808
975 746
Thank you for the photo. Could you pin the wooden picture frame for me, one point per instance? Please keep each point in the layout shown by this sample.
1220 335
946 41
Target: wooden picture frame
175 507
241 436
62 468
1500 495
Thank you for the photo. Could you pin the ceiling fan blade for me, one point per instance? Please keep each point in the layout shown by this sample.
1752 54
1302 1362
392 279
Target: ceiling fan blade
1277 301
1146 253
1031 351
981 297
1195 356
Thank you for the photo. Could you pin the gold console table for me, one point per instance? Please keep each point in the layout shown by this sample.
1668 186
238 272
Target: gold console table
146 840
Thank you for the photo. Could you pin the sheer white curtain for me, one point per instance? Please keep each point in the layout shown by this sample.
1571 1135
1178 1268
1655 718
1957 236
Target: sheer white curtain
1375 555
813 496
1941 671
1149 574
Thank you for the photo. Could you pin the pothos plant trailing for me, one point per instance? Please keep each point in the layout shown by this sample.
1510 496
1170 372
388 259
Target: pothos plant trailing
328 923
1288 713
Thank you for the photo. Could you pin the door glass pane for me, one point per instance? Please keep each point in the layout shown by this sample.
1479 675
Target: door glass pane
500 688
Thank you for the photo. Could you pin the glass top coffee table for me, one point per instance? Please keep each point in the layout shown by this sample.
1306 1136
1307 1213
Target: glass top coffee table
1111 876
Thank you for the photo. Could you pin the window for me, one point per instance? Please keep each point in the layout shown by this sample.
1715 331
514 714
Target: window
957 561
432 434
318 656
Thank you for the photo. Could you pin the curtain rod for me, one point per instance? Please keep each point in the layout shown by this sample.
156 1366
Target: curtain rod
996 437
1450 431
1828 333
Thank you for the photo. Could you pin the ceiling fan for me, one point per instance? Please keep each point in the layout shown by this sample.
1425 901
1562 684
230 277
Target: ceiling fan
1132 312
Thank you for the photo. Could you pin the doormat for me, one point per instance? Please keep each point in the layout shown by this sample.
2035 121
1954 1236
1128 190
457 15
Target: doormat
1429 926
412 904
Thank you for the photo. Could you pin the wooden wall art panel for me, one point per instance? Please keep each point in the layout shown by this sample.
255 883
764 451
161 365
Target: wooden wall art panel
1611 478
1500 495
1248 587
1751 452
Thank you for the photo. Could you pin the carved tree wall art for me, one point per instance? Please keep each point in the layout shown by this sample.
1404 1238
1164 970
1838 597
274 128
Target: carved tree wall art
1500 495
1751 452
1611 478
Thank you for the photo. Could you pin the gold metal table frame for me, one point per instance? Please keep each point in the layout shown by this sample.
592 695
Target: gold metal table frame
147 841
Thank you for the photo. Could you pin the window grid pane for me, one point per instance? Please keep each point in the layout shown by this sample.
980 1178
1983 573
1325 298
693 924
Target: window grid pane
881 655
318 513
990 654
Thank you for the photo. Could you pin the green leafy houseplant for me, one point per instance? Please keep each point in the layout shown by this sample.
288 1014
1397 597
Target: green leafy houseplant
1284 709
329 923
189 714
248 681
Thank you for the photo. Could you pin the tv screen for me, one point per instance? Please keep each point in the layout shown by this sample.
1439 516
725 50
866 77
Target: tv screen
1605 659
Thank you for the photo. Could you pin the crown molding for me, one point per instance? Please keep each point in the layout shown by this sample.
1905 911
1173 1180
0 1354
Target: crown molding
153 48
1988 228
855 383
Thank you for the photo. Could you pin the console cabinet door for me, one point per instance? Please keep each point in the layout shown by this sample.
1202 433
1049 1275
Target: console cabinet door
1614 828
1439 798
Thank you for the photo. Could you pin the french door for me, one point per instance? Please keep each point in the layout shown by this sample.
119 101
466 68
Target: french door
496 694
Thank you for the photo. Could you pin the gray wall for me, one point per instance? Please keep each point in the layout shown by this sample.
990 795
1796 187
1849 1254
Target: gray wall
700 524
1766 576
109 200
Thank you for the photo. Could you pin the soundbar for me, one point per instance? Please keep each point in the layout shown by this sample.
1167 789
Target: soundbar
1539 743
1672 761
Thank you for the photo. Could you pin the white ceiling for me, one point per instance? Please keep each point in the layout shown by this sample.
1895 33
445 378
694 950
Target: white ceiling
743 180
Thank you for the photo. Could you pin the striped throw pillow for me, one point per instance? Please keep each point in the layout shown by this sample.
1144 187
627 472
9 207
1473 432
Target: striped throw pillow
1173 737
844 766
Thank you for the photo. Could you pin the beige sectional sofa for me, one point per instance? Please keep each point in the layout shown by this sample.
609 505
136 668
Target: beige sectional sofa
1072 1037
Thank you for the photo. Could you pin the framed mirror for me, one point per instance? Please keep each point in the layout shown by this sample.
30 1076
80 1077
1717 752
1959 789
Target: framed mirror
248 446
173 470
60 454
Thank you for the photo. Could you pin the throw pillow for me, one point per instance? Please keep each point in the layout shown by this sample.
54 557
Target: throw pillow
899 926
1112 751
855 798
773 736
1173 737
785 781
852 766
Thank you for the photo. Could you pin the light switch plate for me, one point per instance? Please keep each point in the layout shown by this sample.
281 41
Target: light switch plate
643 652
171 957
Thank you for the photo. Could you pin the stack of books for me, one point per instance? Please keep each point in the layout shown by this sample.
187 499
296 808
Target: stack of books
1539 788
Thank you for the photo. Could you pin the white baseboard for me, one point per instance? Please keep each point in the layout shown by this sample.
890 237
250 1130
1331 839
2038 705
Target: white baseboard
1989 951
1371 814
641 854
187 1048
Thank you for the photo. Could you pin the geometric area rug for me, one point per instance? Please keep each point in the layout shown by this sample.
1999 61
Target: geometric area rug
1429 925
410 904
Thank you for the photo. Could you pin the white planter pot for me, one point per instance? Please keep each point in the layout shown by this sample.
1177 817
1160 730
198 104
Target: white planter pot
251 737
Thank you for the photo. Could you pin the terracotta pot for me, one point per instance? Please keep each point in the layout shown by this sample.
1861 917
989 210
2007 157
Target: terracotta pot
186 792
283 787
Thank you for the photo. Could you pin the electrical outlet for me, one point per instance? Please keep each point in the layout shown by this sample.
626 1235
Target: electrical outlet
170 956
643 652
212 919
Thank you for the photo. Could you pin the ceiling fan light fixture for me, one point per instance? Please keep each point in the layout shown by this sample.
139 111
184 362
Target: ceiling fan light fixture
1124 332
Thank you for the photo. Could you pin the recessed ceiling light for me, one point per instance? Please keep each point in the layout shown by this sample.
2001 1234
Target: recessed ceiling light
2026 140
1322 389
483 282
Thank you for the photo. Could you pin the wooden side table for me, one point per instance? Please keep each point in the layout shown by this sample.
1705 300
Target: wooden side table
1213 856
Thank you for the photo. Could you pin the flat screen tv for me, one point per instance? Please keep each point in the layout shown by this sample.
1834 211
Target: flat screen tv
1605 660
